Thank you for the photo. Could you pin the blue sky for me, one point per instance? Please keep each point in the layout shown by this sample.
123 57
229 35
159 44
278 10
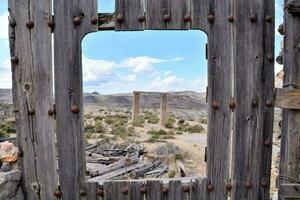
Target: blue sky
115 62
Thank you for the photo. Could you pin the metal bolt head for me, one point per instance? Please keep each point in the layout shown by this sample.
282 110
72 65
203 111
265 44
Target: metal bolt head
141 18
77 21
216 105
125 191
120 18
269 18
50 112
279 60
264 183
232 104
165 190
29 24
12 23
185 189
270 58
248 185
57 193
228 186
281 29
210 187
31 112
94 20
211 18
167 18
82 192
14 60
99 192
51 24
230 18
20 153
253 18
143 190
75 109
269 103
187 18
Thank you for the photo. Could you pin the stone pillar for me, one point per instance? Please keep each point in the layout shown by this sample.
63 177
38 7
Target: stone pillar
163 108
136 106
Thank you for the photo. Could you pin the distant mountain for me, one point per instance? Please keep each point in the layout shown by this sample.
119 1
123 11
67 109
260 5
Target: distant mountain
5 96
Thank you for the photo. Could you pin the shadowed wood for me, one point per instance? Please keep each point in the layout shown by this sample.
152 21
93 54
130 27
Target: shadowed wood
288 98
91 191
33 96
200 10
290 191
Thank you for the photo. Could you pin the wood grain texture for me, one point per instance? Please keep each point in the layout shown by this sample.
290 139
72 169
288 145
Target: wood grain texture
33 96
254 82
155 11
91 191
154 190
68 91
290 191
288 98
200 9
290 140
130 10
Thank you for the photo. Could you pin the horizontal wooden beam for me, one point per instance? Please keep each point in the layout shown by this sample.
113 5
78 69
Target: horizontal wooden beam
287 98
290 191
106 21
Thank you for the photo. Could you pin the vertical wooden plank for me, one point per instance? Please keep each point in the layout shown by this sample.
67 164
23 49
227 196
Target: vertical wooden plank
179 9
135 190
200 11
154 190
91 191
220 69
74 19
155 12
33 95
132 12
198 191
254 93
175 191
117 190
290 145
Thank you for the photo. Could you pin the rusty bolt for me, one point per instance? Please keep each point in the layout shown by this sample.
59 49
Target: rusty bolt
31 112
264 183
51 24
281 29
185 189
20 153
51 112
57 193
232 104
187 18
77 21
269 18
125 191
29 24
14 60
167 18
143 190
211 18
269 103
210 187
270 58
94 20
120 18
141 18
216 105
248 185
82 192
165 190
231 18
12 23
253 18
99 192
267 143
75 109
228 186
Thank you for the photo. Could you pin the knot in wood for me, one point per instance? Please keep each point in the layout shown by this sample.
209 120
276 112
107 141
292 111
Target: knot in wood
57 193
211 18
12 23
264 183
125 191
167 18
210 188
82 192
100 192
77 21
120 18
31 112
230 18
187 17
248 185
94 20
269 103
29 24
141 18
270 58
253 18
228 186
185 189
269 18
14 60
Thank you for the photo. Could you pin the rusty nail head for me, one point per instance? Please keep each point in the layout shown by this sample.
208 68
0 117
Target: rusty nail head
51 24
74 109
141 18
269 103
211 18
269 18
210 188
216 105
267 143
12 23
120 18
281 29
231 18
143 190
167 18
185 189
165 190
82 192
253 18
99 192
31 112
50 112
14 60
125 191
264 183
77 21
94 20
270 58
228 186
248 185
232 104
57 193
187 18
30 24
20 153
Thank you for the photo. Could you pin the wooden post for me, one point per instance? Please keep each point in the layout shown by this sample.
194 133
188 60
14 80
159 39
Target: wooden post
31 56
136 106
290 140
73 20
163 109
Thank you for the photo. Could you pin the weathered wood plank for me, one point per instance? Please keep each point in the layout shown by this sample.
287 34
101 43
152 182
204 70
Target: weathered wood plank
199 191
200 10
117 190
180 12
288 98
291 191
254 93
155 12
136 190
290 145
30 47
91 191
132 12
154 190
74 19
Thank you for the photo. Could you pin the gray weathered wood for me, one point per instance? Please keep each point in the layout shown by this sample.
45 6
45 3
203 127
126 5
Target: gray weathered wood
130 10
288 98
91 191
68 91
32 96
254 92
290 145
290 191
198 191
154 190
155 11
200 10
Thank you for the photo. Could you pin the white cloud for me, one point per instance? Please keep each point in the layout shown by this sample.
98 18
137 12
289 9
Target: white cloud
168 83
166 73
5 74
128 78
4 26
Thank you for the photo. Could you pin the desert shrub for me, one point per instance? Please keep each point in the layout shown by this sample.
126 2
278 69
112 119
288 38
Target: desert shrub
89 128
171 173
7 128
88 116
119 131
167 149
99 127
99 118
153 139
156 135
195 129
138 123
182 155
182 127
180 121
116 120
153 119
130 130
88 135
170 123
179 133
203 120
